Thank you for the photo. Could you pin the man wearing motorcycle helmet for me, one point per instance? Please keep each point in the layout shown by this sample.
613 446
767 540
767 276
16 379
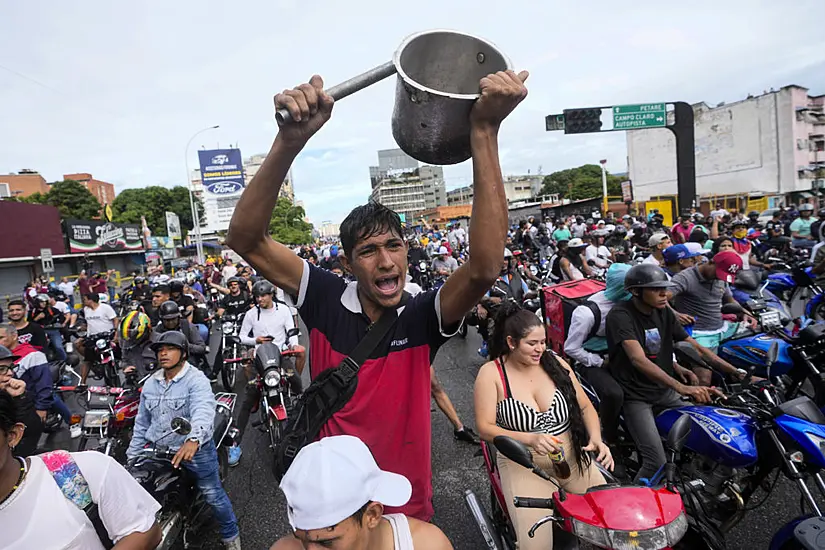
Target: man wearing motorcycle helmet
269 324
801 227
640 337
185 303
135 333
171 320
180 390
743 246
141 291
45 315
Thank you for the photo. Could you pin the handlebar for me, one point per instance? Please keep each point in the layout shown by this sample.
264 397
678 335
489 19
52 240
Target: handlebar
530 502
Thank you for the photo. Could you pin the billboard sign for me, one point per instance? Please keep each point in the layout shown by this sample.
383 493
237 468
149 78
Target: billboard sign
627 191
102 236
173 225
221 171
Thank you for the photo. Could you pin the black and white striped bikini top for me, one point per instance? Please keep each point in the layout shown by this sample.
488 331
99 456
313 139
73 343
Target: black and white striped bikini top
512 414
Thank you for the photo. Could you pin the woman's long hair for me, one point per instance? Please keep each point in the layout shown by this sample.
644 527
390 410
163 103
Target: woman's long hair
575 257
511 320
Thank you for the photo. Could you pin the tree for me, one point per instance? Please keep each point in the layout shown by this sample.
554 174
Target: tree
153 202
70 197
287 224
584 182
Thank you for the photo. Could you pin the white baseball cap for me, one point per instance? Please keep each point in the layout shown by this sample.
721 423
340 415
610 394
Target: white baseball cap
331 479
443 250
695 248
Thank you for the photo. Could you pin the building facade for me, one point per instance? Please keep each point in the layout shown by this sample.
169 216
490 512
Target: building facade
22 184
103 191
516 189
399 183
769 145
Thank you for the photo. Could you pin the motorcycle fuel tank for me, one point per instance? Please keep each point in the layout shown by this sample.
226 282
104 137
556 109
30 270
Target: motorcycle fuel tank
752 350
722 435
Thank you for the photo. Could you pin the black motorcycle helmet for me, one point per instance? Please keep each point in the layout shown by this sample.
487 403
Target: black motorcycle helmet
267 355
753 215
262 287
239 280
646 276
620 230
5 353
139 280
172 338
169 310
176 287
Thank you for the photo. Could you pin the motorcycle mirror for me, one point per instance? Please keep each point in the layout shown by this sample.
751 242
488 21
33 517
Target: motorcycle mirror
293 332
181 426
685 352
773 353
514 450
678 434
732 309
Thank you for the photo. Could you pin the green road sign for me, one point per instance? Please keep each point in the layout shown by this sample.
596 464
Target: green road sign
646 115
554 122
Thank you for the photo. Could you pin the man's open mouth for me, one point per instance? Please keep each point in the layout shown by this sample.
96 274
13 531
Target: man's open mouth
388 285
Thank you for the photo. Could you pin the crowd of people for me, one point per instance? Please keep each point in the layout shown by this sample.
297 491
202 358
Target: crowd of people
362 478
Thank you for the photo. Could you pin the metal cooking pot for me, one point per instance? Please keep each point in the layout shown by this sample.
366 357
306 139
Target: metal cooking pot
438 76
438 82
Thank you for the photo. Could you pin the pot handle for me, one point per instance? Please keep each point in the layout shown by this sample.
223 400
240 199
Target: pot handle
348 87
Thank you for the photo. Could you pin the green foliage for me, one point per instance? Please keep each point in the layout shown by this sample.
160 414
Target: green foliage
153 202
287 224
584 182
70 197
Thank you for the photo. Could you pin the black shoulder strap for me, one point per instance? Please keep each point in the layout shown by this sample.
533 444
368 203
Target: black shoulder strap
376 333
93 514
597 316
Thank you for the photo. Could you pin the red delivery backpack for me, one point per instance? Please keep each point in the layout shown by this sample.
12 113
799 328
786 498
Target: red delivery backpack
557 305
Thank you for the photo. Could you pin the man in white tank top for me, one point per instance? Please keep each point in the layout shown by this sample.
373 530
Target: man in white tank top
336 494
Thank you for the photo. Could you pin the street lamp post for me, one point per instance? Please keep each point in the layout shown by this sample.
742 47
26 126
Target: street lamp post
604 187
196 222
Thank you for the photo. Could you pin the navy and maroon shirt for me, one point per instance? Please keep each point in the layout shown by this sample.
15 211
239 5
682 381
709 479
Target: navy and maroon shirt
390 410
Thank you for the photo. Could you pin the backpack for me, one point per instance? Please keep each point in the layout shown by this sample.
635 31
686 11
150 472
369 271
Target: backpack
75 488
597 315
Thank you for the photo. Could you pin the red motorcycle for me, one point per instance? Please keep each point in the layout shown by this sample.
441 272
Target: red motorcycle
110 416
613 516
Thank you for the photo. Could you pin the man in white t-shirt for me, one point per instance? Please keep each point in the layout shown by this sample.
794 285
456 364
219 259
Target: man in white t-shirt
99 318
598 252
35 513
657 243
228 271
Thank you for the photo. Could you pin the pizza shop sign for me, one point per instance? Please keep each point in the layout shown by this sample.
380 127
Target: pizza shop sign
100 236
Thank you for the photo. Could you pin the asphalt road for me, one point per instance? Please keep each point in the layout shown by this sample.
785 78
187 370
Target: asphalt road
260 507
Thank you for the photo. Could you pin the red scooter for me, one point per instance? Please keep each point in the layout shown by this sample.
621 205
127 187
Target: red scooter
613 516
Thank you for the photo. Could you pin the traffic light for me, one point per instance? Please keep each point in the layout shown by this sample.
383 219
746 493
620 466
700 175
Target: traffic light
582 121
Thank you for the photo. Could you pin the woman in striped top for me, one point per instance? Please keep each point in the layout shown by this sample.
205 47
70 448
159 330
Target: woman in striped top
531 395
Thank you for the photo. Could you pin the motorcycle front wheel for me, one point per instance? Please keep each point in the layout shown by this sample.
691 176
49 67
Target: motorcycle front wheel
228 375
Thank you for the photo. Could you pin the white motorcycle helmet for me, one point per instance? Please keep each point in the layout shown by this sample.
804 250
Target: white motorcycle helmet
103 298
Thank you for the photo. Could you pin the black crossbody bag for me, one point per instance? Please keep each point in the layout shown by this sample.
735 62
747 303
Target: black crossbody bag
328 393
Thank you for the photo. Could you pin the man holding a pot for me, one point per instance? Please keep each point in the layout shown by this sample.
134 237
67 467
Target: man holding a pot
390 410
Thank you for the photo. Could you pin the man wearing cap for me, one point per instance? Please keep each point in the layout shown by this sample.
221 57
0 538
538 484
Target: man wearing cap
444 264
700 292
336 493
657 242
678 258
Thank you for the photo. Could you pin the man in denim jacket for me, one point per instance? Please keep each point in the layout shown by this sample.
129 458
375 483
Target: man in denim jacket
181 390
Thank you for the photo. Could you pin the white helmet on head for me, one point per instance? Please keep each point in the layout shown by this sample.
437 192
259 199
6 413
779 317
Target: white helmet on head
103 298
508 253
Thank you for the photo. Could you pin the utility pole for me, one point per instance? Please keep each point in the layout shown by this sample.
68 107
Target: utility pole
603 162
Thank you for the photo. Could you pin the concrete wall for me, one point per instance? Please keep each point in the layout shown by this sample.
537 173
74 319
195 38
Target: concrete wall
23 185
744 147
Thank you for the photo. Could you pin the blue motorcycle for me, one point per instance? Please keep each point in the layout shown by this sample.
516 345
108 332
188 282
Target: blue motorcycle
749 286
798 278
737 445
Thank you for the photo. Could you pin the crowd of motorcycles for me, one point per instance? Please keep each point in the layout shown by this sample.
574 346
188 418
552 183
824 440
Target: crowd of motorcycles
718 455
109 410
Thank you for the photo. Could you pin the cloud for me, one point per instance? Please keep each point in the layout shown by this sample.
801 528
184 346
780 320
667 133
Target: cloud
121 87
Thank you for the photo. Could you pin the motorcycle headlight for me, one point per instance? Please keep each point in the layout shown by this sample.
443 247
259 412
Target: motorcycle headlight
649 539
228 328
272 378
101 344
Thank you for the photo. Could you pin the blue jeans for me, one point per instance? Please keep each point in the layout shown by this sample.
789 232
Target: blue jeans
62 409
204 332
204 467
111 294
56 340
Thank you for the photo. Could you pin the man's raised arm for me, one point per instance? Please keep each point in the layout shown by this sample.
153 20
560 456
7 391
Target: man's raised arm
500 93
248 234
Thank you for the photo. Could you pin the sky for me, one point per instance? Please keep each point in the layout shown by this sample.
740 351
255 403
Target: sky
117 89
